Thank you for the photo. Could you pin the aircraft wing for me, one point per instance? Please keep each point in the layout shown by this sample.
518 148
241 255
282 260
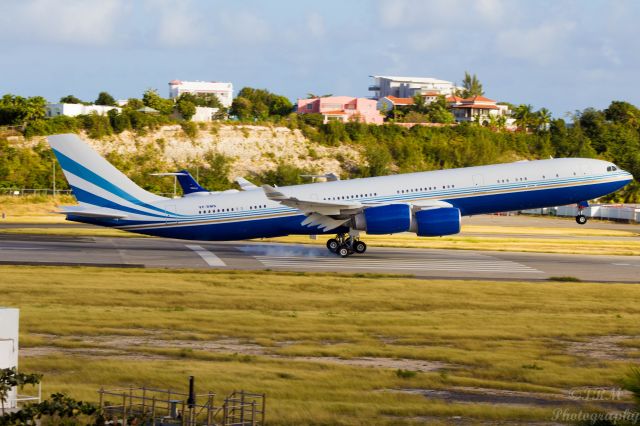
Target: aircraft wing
325 214
311 206
330 214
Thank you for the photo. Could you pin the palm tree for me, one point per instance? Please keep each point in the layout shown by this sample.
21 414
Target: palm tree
544 118
472 86
524 116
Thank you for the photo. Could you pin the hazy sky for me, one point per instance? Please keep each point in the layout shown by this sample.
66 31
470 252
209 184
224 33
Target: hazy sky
564 55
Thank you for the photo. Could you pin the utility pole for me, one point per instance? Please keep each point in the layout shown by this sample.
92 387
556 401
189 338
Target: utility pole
175 187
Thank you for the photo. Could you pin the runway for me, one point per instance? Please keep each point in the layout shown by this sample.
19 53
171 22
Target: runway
37 249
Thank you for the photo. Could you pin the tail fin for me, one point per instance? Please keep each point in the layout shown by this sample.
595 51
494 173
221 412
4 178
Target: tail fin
188 183
94 180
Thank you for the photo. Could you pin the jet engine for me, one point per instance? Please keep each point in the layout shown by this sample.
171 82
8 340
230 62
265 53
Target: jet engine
387 219
437 222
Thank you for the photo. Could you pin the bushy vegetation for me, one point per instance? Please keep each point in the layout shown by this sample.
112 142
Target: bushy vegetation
259 105
612 134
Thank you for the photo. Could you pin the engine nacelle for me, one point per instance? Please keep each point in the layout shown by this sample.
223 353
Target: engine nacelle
387 219
438 222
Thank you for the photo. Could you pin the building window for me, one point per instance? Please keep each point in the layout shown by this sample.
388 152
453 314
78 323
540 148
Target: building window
309 106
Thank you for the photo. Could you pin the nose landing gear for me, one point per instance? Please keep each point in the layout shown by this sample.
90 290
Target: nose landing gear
345 245
581 219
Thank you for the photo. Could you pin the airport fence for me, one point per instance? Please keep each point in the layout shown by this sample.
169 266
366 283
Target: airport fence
17 192
22 192
615 212
159 407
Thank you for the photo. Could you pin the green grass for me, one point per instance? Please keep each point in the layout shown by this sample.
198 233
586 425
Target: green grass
504 335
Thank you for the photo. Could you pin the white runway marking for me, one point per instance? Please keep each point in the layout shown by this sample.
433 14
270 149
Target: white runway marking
206 255
466 265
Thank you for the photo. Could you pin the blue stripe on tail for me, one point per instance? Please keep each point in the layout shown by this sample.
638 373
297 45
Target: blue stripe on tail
79 170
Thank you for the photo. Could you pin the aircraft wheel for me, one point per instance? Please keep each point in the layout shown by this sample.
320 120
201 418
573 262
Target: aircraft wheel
360 247
343 251
332 245
581 219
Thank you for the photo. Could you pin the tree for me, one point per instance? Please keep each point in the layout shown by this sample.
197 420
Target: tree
16 110
209 100
152 99
259 104
439 112
186 108
134 104
471 86
543 118
59 409
119 121
215 177
524 117
70 99
105 99
623 113
10 378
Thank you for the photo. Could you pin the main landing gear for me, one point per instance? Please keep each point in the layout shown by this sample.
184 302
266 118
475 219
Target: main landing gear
346 244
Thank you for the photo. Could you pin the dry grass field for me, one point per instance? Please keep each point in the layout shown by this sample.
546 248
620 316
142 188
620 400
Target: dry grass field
330 349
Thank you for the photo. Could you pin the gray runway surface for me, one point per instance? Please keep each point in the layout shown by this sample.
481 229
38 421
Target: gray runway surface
165 253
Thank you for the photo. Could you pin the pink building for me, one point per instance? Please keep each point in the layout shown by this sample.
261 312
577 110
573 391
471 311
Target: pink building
343 108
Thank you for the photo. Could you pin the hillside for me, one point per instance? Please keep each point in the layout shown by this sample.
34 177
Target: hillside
250 149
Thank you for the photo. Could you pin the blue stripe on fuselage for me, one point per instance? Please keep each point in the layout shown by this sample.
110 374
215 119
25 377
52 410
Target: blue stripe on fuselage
291 224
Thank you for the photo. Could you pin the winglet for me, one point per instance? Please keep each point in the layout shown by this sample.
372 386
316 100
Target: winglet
273 194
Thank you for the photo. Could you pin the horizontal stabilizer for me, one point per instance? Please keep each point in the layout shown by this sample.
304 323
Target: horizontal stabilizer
244 184
93 212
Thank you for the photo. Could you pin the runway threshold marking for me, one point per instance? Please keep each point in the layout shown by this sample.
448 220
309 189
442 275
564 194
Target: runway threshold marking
206 255
468 265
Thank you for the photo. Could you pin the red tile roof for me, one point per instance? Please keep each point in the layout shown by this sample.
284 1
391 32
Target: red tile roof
480 99
400 101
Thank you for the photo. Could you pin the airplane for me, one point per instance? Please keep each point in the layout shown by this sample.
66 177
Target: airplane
428 203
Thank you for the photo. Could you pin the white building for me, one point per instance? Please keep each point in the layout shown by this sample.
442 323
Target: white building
72 110
408 87
224 91
9 320
204 114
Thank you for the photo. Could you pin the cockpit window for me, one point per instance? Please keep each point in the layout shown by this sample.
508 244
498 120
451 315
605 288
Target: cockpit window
612 168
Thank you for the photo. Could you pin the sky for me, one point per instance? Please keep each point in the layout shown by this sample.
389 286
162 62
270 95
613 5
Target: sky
564 55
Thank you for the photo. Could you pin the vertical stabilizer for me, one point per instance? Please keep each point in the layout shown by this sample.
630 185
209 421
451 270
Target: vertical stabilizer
95 181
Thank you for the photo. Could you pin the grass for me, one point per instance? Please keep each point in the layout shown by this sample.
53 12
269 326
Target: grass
73 231
33 208
504 335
